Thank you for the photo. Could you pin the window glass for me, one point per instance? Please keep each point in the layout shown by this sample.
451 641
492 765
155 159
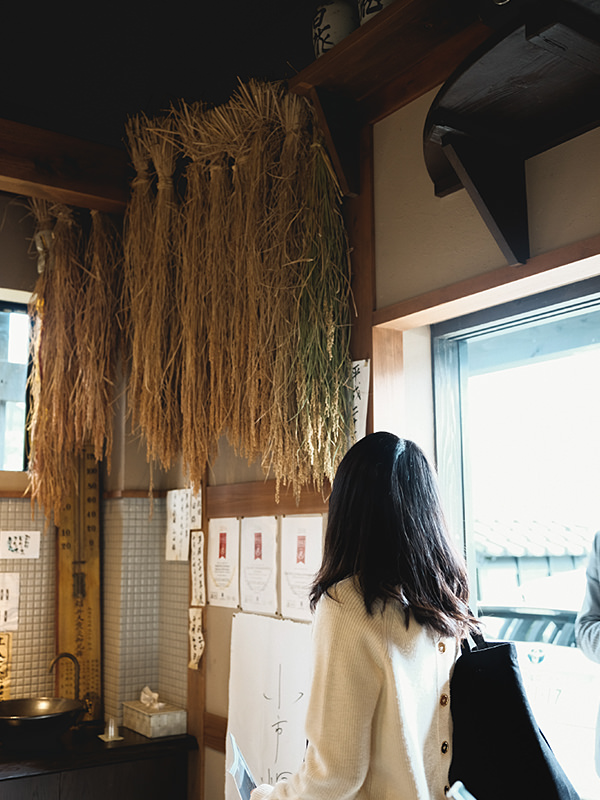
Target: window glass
14 356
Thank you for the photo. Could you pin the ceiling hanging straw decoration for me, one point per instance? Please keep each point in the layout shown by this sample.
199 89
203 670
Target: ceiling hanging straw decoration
255 268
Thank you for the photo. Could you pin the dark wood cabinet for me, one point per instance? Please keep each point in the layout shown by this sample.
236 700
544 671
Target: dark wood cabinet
39 787
135 780
136 768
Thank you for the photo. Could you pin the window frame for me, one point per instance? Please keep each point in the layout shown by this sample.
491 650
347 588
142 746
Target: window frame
449 375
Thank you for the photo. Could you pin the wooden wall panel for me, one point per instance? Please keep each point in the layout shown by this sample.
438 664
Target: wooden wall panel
257 498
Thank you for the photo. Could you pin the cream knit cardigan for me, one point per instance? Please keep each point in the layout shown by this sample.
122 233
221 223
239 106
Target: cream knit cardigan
378 721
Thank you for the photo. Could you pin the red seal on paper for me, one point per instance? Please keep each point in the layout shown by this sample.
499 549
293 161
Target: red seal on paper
258 546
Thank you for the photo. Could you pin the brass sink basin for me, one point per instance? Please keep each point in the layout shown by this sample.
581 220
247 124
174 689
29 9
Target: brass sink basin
37 719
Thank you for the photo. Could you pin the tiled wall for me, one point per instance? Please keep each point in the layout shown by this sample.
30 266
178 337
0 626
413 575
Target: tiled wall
173 632
145 607
145 602
33 644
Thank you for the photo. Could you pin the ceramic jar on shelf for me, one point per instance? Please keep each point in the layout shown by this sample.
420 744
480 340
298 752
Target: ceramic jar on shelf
333 21
368 8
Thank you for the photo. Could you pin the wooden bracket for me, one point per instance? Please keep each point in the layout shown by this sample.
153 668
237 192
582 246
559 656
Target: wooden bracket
495 182
527 89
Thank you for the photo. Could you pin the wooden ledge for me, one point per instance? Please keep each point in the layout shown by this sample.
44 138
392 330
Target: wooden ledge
62 169
257 498
568 264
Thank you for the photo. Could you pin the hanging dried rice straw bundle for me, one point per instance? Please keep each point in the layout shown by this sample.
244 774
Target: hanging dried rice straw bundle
309 435
279 440
97 337
52 473
323 388
162 374
151 225
194 300
221 288
227 129
136 252
255 258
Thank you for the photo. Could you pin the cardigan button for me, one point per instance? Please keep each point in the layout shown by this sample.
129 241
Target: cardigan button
444 700
445 747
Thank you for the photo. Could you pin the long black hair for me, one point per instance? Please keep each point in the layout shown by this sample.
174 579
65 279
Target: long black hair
387 529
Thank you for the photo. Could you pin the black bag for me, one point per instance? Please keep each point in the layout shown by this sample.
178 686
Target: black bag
499 751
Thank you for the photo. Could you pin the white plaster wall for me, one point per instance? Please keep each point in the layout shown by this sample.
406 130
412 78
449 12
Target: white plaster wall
423 242
18 258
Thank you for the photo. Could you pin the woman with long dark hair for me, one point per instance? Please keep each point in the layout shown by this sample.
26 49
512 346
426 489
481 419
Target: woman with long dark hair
391 606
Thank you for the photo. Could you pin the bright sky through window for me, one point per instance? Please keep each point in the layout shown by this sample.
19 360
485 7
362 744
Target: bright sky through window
534 440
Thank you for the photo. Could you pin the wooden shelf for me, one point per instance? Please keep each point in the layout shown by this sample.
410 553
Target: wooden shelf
63 169
407 49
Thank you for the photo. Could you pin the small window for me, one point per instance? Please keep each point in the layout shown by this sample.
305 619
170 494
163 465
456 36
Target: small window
15 329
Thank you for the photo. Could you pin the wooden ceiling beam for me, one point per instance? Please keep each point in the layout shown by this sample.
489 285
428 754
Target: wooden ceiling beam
64 169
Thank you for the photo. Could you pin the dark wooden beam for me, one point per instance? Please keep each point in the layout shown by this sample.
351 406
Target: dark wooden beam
63 169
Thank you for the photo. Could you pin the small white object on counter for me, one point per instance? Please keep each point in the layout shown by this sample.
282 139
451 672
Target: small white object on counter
111 732
154 722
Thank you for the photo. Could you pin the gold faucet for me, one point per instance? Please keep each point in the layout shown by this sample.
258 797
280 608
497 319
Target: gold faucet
76 665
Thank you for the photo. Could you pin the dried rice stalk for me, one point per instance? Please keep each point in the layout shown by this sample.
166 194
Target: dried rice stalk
52 473
193 295
74 351
255 262
97 338
151 233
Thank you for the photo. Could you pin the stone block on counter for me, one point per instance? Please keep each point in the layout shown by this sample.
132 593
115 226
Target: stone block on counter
153 723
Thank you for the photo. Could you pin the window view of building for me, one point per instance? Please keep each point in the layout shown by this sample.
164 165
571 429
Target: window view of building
533 437
523 433
14 353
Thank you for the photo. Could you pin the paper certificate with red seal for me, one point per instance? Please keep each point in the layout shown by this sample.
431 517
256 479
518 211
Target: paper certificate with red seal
223 554
301 551
258 565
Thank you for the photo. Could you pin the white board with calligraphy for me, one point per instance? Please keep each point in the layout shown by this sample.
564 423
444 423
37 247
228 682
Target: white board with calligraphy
268 695
178 525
